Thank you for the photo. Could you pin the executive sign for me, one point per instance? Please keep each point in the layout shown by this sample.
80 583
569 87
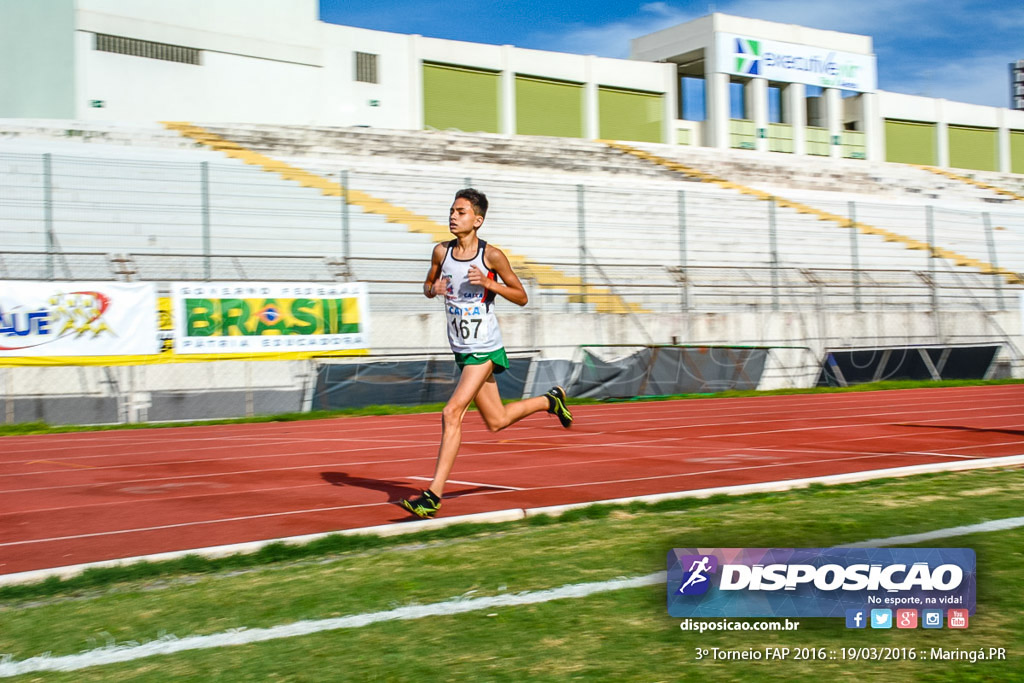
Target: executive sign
791 63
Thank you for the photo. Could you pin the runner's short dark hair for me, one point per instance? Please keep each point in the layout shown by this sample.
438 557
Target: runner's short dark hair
476 199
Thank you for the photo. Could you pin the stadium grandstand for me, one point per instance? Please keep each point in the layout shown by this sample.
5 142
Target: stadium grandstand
171 149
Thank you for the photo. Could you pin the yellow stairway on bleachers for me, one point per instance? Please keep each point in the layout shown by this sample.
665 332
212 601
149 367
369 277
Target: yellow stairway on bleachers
841 221
971 181
603 299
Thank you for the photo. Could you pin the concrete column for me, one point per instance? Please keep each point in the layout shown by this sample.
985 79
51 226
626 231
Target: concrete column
670 103
757 110
416 118
834 121
716 101
591 115
795 106
873 126
508 91
941 135
1003 142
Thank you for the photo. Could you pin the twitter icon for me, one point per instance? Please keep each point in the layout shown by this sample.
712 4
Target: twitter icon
881 618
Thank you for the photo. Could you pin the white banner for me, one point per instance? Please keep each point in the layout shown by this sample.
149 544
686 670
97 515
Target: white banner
792 63
77 319
269 317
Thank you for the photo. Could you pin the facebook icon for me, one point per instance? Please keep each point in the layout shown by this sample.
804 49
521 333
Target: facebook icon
856 618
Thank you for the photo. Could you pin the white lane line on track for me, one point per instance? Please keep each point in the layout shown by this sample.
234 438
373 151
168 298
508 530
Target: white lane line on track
674 427
84 507
464 457
671 412
169 645
723 470
471 483
161 527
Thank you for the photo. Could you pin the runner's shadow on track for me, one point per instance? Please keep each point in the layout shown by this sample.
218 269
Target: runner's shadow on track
395 490
978 430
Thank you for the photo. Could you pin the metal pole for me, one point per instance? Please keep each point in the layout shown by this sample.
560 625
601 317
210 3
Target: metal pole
346 237
854 256
930 226
51 242
582 234
993 258
9 396
932 266
205 192
682 249
774 249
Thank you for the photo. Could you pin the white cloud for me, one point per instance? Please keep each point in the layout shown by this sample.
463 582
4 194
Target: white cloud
898 28
612 39
979 79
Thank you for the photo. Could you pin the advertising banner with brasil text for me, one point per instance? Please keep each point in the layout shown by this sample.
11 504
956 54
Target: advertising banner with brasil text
269 317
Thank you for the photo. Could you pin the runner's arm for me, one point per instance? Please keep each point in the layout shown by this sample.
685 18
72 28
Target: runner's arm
434 284
510 287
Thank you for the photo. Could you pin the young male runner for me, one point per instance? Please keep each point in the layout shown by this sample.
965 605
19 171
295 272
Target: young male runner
464 270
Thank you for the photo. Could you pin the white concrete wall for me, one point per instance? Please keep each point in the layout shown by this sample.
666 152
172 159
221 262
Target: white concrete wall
37 59
281 65
341 100
266 27
227 87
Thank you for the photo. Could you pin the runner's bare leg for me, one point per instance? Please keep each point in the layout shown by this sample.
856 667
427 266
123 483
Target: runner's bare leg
498 415
473 377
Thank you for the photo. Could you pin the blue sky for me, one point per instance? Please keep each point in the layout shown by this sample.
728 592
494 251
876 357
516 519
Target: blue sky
955 49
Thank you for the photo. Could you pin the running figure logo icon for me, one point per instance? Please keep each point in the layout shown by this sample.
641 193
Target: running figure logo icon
698 567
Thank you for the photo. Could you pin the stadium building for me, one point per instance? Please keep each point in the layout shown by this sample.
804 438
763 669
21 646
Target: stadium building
765 86
794 228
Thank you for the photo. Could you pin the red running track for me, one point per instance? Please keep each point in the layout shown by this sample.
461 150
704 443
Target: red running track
86 497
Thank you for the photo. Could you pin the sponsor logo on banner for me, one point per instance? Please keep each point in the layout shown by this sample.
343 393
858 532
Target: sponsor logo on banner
279 317
748 57
794 63
860 584
40 319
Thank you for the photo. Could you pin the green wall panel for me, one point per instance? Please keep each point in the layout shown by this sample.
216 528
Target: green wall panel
816 141
630 115
975 148
742 134
908 142
549 108
854 146
461 98
1017 151
780 137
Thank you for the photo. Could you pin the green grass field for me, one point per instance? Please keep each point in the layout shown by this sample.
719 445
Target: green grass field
622 635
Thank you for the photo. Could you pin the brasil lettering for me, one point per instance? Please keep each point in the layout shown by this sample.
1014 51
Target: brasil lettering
815 582
208 317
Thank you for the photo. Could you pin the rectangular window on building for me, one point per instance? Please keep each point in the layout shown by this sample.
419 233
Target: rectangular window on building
366 67
145 48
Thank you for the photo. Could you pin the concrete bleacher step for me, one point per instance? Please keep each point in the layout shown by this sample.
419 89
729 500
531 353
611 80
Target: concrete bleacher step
603 300
1003 192
959 259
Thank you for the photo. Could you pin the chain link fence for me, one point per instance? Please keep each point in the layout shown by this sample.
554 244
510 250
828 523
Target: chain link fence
676 256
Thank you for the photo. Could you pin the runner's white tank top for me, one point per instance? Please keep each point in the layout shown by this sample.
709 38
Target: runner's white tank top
472 325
